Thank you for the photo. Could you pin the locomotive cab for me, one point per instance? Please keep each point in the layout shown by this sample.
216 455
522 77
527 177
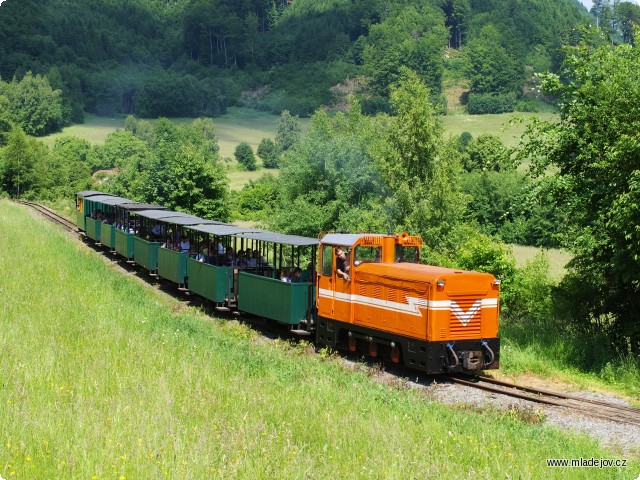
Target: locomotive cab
375 297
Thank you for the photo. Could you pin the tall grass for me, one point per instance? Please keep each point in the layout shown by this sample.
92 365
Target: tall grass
550 348
103 377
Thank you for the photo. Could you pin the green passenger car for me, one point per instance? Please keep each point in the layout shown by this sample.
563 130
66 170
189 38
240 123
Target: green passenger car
93 229
124 244
208 281
270 298
108 235
172 265
145 253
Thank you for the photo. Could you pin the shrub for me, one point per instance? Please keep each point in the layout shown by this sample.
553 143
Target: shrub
530 292
245 157
269 153
480 104
258 198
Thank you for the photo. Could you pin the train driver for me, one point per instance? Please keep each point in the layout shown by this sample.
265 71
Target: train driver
342 264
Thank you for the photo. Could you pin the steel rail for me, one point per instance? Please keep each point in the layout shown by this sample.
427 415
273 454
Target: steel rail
607 411
51 215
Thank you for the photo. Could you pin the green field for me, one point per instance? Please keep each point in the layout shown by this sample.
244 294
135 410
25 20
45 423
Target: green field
251 126
104 377
497 124
558 259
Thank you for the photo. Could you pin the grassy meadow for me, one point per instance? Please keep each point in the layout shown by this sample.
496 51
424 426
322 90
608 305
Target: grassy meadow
104 377
508 126
558 259
251 126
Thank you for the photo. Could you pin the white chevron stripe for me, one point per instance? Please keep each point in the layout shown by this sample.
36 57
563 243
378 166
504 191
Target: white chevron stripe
414 305
463 316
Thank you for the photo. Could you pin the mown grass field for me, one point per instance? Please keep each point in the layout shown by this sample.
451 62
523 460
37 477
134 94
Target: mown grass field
508 126
103 377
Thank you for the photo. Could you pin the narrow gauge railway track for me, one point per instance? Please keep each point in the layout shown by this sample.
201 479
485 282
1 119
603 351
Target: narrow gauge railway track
594 408
51 215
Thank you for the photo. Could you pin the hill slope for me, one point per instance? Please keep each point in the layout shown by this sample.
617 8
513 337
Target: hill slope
188 58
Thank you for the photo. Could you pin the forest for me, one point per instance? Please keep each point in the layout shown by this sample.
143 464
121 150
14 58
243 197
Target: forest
154 58
374 77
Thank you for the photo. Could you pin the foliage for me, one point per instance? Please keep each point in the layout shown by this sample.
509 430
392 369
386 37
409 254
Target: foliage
627 18
289 131
245 157
5 119
33 104
486 153
120 149
531 292
258 199
511 206
268 153
595 150
410 37
483 253
416 134
69 163
493 69
177 167
21 157
480 104
331 169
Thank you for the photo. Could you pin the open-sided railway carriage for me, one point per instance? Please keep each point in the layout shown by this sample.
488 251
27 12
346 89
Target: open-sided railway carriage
387 305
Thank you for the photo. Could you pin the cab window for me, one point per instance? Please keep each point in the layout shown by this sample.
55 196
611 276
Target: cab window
367 255
407 254
327 260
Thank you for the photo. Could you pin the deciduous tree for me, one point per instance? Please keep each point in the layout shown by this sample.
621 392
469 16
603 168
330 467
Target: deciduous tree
595 149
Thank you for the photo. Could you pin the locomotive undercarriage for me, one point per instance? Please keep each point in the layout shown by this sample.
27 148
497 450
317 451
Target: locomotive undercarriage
431 357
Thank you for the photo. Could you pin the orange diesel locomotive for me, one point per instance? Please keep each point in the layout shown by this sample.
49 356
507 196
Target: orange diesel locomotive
374 296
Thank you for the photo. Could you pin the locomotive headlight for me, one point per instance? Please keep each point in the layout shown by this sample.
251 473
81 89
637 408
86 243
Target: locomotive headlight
497 281
440 283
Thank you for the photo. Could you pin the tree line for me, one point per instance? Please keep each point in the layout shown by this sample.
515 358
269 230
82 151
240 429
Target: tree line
194 58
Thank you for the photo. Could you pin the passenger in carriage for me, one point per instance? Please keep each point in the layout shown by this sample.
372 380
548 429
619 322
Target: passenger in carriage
307 275
157 231
260 260
212 258
228 259
285 276
184 245
240 260
297 275
202 256
251 260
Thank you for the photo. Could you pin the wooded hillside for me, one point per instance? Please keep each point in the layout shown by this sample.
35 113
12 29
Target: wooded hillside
196 57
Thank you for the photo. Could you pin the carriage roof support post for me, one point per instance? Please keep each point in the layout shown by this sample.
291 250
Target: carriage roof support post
275 256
